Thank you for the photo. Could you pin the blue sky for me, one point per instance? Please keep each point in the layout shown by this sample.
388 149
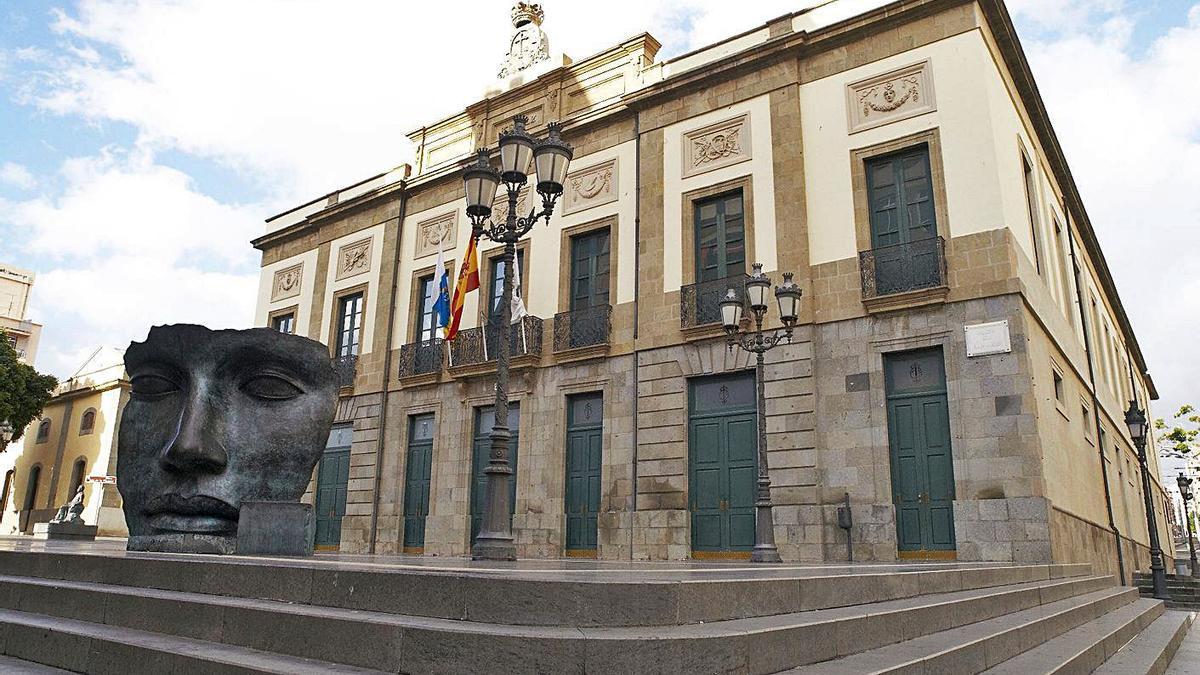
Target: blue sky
142 143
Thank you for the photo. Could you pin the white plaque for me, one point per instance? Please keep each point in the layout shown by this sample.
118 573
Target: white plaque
988 338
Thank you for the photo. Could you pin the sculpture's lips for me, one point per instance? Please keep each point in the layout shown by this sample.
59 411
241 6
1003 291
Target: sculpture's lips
198 513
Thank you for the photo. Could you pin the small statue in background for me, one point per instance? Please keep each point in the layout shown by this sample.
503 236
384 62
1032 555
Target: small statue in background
72 511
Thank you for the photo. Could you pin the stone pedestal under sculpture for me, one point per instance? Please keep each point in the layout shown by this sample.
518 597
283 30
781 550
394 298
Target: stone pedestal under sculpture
217 418
275 528
68 523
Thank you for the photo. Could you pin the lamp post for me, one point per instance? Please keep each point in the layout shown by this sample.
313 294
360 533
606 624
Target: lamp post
6 434
1135 419
788 296
1185 491
550 158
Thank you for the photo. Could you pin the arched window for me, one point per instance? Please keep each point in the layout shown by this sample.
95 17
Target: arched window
8 477
88 422
43 433
31 488
77 476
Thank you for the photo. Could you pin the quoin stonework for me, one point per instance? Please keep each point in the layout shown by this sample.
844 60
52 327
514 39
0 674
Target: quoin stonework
960 367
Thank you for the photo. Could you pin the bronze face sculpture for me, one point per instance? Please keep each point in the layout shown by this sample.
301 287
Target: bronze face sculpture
216 418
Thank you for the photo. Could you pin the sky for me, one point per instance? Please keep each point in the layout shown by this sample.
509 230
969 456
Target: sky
144 142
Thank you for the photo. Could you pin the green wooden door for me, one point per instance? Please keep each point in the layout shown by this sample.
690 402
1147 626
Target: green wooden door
585 443
333 475
903 222
481 447
589 288
921 459
722 463
720 251
416 481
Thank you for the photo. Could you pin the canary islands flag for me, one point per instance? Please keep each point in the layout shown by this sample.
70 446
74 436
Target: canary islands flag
441 308
468 280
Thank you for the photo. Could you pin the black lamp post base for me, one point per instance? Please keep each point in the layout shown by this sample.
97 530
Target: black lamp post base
765 553
493 548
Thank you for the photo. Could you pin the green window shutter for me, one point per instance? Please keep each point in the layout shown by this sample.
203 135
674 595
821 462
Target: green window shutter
900 193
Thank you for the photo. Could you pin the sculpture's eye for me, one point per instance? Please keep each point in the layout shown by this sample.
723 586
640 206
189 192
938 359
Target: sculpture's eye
270 387
151 386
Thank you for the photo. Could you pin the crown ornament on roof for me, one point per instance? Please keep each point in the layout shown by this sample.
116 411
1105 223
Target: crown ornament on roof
528 45
527 12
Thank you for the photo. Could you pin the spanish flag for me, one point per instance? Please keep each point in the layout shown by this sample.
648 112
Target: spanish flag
468 280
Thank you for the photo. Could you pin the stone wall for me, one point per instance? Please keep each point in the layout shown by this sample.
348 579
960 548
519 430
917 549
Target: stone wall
1003 530
993 428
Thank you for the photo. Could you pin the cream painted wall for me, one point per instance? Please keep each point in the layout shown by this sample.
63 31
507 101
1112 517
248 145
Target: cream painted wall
974 194
759 166
264 306
370 277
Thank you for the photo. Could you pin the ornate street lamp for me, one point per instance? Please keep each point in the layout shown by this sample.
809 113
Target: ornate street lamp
788 297
6 434
550 158
1135 419
1185 491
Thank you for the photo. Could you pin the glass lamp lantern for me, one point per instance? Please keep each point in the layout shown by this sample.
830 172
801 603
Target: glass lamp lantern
6 432
756 289
481 182
788 296
1135 419
731 311
1185 487
551 159
516 152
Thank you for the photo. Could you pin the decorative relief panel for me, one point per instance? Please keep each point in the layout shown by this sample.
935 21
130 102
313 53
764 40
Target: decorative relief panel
716 145
286 283
354 259
433 232
590 187
892 96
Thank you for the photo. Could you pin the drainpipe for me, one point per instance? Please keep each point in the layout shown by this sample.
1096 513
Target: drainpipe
387 369
637 287
1076 268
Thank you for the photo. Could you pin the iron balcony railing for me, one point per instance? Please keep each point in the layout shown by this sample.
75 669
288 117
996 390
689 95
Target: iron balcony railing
582 328
700 303
345 368
479 345
421 358
901 268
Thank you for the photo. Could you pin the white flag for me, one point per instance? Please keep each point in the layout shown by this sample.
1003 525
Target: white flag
518 305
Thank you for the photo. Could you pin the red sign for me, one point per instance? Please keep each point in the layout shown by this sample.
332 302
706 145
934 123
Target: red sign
107 480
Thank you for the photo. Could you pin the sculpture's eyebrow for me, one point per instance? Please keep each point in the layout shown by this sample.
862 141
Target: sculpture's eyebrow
253 358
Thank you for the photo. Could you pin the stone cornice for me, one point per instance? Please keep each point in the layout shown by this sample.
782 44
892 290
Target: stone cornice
337 210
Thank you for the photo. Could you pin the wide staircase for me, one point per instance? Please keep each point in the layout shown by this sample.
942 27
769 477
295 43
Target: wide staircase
1184 591
141 613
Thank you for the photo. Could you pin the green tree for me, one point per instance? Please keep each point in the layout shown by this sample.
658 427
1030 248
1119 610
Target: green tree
1180 436
23 390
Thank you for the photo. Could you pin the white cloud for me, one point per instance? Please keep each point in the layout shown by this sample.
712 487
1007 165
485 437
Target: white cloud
130 244
17 175
1129 123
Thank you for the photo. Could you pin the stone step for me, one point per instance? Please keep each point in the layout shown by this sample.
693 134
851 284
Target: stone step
1083 649
1152 650
975 647
1187 657
396 642
11 666
554 596
86 647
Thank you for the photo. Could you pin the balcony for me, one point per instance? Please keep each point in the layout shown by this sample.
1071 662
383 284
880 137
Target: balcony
586 330
421 358
700 303
344 370
473 350
904 275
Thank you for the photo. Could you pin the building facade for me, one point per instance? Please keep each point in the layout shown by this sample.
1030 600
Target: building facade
959 372
74 443
15 288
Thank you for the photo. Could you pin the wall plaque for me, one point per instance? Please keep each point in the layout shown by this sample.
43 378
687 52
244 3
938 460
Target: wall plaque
354 259
590 187
889 97
435 232
716 145
988 338
286 283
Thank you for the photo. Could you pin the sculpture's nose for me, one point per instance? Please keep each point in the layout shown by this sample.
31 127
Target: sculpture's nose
194 448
